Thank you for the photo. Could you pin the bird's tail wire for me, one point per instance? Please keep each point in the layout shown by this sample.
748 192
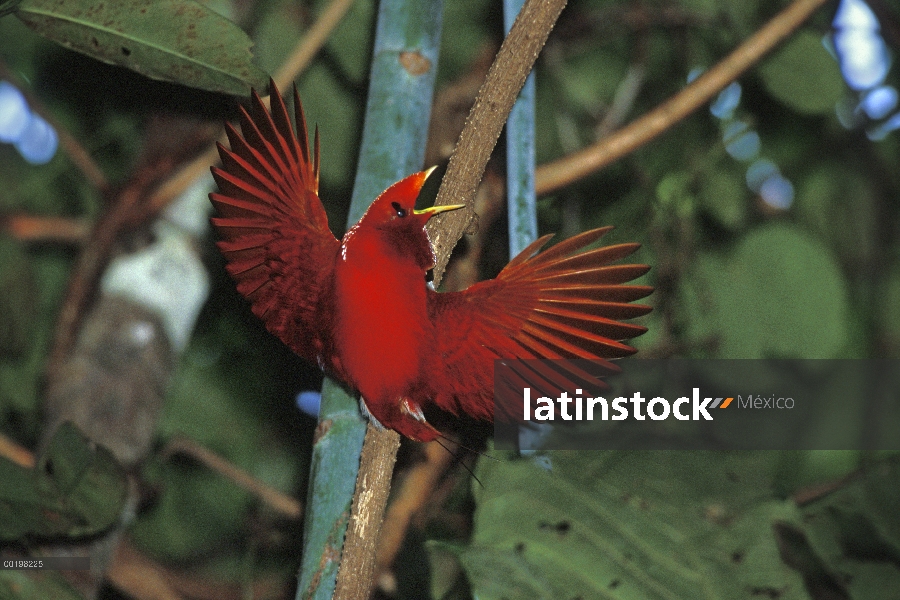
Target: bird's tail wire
458 456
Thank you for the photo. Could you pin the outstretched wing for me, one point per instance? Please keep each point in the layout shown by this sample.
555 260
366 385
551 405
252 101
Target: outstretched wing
273 227
563 303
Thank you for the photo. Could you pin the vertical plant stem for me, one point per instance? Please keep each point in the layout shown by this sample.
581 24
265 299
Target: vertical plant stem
335 463
520 154
404 64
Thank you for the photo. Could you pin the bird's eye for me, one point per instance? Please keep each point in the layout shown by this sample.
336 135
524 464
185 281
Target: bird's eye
401 212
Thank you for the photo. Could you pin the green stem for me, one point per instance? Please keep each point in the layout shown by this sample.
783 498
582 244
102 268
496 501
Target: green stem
393 145
520 156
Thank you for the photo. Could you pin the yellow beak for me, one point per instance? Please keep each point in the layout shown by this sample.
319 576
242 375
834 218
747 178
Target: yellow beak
438 209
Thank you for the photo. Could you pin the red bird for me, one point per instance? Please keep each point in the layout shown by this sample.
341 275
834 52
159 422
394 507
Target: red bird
361 307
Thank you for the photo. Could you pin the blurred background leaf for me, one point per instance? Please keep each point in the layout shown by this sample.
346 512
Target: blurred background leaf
614 525
174 40
75 489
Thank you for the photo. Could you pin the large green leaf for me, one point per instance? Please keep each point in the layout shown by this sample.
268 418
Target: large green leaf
856 531
779 293
802 75
77 488
724 196
641 526
173 40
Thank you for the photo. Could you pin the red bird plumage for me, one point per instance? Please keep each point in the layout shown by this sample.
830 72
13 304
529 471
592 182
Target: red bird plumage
361 308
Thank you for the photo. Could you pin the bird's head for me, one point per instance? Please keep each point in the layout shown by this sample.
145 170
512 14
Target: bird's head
393 219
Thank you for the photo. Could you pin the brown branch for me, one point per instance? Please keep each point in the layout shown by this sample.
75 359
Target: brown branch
505 79
495 100
12 451
570 168
61 230
282 503
356 575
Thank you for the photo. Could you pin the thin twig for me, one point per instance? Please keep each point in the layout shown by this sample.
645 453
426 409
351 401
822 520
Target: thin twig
284 504
61 230
495 100
12 451
570 168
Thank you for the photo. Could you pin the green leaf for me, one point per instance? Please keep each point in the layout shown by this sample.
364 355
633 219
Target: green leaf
629 526
36 585
856 531
173 40
8 7
589 79
803 76
780 293
724 196
77 488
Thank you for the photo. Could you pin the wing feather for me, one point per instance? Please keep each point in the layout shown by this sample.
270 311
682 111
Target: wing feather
273 228
563 303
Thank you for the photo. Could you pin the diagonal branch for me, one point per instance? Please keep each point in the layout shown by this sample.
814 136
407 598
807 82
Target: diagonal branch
492 106
570 168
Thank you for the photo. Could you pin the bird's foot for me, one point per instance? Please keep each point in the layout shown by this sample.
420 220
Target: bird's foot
415 426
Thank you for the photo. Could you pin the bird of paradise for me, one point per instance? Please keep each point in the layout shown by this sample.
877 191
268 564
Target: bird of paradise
361 308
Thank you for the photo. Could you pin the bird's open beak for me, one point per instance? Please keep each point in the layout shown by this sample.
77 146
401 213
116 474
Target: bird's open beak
438 209
434 209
